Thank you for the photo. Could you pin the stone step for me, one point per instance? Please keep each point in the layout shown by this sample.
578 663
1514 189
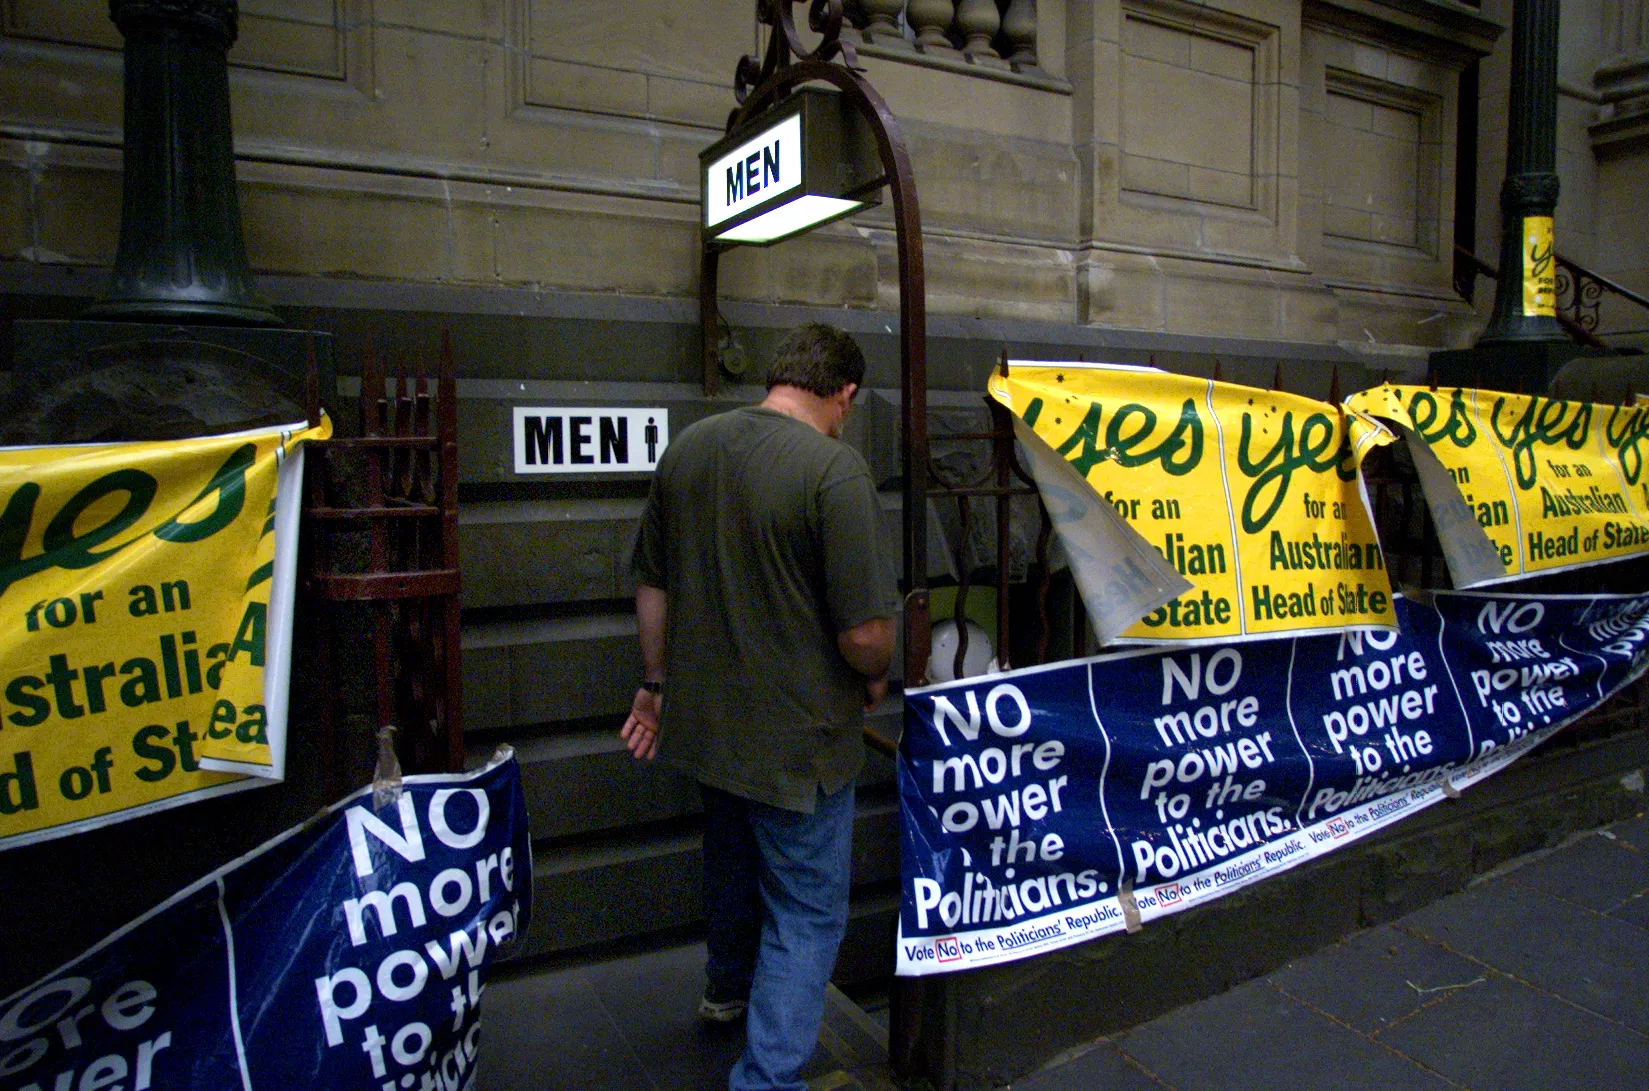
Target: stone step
589 894
538 551
544 671
584 782
532 552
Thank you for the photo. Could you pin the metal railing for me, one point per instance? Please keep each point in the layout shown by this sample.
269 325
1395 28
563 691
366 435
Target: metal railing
1580 295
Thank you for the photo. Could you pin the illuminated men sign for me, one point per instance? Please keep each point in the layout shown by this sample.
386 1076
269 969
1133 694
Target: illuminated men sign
807 161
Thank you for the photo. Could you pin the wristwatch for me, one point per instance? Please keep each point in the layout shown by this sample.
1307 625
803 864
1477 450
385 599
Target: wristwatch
655 688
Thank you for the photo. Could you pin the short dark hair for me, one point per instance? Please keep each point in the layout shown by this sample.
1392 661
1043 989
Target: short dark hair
820 359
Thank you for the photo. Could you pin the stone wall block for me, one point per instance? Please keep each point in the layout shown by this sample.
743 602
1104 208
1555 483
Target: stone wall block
559 249
1308 314
987 280
562 558
300 39
1221 308
426 98
701 40
298 231
692 102
1376 318
77 22
473 19
1120 290
78 214
471 243
932 96
1019 189
587 782
486 688
1622 182
574 670
17 227
43 87
570 86
826 269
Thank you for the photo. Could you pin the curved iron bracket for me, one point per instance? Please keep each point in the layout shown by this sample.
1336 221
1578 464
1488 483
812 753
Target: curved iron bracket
780 75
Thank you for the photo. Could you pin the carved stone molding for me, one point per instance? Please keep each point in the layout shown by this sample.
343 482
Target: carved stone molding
326 40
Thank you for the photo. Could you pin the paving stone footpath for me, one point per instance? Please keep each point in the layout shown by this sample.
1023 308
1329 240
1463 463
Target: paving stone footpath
1536 977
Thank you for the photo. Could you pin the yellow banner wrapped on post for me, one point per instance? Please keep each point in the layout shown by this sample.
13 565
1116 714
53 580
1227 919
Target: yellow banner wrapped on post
1539 268
136 584
1554 484
1252 495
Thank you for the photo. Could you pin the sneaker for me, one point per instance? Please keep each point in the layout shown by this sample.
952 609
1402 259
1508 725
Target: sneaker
720 1011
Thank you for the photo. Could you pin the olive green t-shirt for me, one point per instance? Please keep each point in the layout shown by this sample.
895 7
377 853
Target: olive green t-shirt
762 532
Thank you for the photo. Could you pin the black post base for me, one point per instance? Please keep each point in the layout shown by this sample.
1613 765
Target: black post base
88 382
1515 367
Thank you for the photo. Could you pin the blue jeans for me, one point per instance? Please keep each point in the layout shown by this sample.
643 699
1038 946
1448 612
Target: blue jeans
775 895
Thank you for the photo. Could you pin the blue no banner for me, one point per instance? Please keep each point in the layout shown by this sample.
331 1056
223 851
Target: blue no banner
351 952
1047 806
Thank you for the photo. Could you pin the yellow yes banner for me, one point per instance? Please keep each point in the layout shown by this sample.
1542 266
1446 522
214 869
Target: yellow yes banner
1253 496
1554 484
136 590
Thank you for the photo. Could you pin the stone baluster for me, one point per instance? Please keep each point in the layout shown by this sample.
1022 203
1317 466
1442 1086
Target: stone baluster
1625 28
1019 27
882 22
931 20
978 20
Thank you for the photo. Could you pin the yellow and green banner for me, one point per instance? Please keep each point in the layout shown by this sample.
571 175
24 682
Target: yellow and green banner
1539 268
1553 484
146 590
1252 496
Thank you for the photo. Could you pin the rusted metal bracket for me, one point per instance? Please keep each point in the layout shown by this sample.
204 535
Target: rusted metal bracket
381 515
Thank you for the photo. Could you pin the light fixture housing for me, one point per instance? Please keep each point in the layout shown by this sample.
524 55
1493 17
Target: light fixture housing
806 161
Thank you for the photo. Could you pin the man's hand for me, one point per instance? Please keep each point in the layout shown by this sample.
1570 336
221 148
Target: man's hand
875 693
640 730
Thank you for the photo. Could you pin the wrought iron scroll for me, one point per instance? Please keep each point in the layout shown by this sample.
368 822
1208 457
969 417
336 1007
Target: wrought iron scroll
1579 295
785 47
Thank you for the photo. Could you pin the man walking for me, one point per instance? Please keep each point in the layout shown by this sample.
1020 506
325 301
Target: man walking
765 606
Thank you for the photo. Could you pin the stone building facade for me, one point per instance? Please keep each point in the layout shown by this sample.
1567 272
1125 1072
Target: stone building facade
1261 183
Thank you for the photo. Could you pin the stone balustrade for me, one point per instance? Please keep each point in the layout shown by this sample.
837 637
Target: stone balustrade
992 34
1622 76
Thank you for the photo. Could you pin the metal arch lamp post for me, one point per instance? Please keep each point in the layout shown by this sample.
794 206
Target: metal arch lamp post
766 90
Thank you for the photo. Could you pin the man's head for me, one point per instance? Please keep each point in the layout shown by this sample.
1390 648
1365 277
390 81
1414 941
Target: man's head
821 366
819 359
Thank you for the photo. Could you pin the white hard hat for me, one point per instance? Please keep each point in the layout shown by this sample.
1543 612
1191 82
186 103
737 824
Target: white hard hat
942 658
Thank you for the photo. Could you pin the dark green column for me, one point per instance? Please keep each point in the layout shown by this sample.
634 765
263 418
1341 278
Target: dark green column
181 256
1529 195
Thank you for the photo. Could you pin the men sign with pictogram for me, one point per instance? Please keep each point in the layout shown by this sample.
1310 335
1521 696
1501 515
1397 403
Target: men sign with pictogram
583 440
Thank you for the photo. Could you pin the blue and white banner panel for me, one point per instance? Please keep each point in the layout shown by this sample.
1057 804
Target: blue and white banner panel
1047 806
350 952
